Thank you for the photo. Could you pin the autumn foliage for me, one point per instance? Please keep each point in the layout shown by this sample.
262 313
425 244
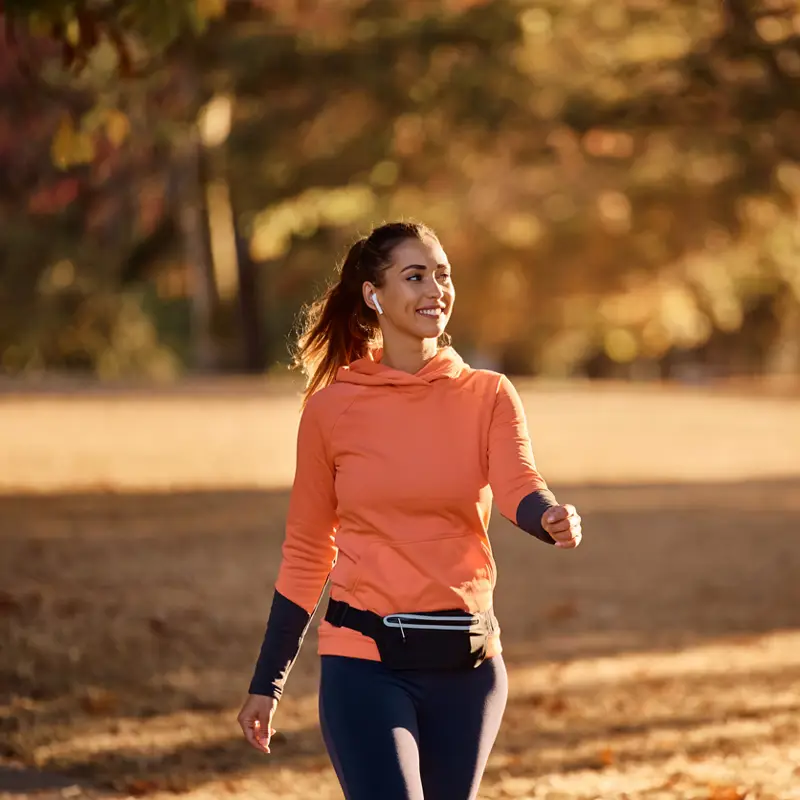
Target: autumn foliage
617 182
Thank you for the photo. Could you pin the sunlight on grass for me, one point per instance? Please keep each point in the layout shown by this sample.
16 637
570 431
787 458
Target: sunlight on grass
581 433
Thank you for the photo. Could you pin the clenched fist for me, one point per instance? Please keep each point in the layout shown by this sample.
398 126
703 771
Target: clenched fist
564 524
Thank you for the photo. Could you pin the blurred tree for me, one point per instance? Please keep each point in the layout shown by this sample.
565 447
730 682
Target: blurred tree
580 150
82 153
616 181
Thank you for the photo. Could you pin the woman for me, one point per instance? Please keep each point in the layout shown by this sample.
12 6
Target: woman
402 448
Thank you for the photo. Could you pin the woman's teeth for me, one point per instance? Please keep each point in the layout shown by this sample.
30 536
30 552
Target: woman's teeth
430 312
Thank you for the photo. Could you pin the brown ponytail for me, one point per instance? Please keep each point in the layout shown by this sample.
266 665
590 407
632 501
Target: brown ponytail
339 327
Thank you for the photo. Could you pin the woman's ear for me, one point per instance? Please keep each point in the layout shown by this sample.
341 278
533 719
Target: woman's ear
371 298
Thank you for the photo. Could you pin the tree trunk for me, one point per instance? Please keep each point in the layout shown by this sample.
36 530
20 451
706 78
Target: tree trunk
193 216
254 346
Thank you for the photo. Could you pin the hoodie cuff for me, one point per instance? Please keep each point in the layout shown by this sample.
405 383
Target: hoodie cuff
286 628
530 511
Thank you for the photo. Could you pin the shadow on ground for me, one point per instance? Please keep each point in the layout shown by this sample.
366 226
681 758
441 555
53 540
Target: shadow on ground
129 625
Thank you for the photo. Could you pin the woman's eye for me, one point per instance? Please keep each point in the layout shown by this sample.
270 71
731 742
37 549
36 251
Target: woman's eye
418 277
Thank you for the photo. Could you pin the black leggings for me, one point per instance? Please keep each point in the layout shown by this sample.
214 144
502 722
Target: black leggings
407 735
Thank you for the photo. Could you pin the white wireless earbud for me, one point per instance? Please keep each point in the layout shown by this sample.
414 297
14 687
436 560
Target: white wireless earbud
377 304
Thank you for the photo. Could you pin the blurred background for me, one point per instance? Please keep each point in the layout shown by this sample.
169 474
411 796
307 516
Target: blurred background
617 186
616 183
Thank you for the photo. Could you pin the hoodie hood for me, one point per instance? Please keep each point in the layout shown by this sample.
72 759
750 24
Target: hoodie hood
369 371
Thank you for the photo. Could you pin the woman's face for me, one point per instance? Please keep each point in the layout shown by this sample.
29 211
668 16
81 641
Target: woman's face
417 292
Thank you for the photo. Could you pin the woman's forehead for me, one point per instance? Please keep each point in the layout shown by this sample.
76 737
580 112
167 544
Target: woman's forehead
426 252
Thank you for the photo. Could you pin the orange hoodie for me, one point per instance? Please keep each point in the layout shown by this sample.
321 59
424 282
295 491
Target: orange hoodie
393 490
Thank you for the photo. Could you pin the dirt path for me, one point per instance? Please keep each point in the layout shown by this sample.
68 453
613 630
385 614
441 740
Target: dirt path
661 660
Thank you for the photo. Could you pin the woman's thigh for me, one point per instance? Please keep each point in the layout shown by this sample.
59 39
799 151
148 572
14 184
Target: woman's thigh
369 724
459 718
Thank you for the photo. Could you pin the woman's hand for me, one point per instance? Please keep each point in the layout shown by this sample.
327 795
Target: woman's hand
564 524
255 719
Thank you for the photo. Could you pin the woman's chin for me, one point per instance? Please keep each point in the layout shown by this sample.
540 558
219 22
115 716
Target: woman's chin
430 329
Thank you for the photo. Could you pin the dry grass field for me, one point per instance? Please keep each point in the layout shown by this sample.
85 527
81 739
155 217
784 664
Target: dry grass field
139 539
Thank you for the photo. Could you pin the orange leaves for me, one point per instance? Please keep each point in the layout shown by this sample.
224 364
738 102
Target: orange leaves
79 29
606 757
73 145
117 126
728 793
55 197
210 9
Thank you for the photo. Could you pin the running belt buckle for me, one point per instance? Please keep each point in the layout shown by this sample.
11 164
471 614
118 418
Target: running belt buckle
427 622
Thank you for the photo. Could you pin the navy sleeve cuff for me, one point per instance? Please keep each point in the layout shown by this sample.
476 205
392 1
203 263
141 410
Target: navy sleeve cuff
286 629
530 511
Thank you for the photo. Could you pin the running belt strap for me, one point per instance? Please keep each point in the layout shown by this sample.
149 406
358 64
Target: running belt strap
343 615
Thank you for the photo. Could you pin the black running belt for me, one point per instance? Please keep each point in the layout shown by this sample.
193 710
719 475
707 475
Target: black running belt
343 615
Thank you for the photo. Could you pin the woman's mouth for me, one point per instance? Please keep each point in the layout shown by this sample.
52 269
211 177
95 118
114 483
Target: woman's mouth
430 312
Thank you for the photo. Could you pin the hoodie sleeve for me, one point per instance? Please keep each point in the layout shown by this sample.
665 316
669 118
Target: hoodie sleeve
520 492
309 552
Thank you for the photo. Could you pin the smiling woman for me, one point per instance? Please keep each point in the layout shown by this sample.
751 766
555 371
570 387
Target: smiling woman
413 684
399 272
415 296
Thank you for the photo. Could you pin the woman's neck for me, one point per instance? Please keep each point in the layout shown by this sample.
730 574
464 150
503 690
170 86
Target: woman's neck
409 356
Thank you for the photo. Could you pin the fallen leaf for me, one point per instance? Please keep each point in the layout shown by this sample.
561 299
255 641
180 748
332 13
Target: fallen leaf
18 603
141 786
9 603
178 784
536 700
672 781
557 705
99 701
158 626
727 793
561 611
69 607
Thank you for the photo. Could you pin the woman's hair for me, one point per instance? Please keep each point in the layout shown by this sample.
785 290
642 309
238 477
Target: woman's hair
339 327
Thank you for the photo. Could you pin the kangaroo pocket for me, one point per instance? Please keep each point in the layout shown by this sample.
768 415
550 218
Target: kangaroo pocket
450 571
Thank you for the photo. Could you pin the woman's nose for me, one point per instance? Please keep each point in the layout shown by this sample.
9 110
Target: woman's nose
435 289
